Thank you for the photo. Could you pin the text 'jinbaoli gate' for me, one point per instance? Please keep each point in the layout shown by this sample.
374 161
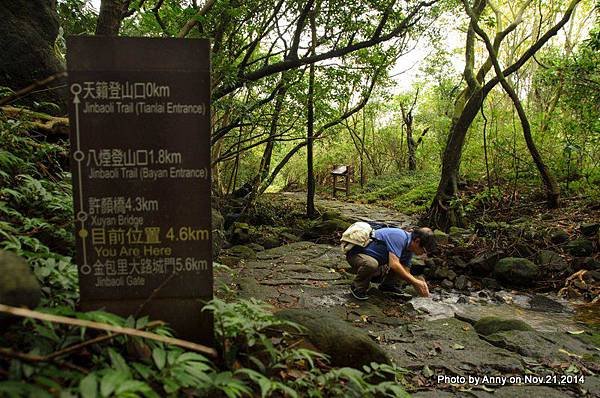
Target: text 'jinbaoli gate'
140 156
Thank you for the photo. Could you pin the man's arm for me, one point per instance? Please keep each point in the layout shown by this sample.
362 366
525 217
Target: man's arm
398 268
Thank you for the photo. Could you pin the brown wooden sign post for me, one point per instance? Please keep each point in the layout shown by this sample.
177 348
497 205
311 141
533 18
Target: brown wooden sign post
140 157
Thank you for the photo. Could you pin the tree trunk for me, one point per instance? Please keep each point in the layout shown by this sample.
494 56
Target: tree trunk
410 141
27 34
310 123
110 17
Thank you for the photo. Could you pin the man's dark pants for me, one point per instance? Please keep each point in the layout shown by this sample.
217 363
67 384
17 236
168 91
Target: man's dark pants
368 270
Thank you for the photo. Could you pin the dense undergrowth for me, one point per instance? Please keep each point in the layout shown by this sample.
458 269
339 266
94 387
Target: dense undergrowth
44 359
408 193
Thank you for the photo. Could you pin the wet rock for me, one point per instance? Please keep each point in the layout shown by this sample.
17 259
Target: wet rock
589 229
18 286
546 346
580 247
558 236
551 261
491 324
483 264
433 343
447 284
490 283
461 282
545 304
515 270
346 345
441 237
409 290
444 273
218 235
242 252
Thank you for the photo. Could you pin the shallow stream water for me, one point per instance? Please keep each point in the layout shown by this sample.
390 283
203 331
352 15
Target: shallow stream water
545 313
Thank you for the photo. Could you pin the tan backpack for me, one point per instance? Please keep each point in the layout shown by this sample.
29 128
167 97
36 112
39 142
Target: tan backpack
358 234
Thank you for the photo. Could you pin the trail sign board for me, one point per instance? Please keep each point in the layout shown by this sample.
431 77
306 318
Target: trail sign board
139 112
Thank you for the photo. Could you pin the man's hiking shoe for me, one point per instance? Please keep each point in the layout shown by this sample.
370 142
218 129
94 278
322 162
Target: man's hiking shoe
392 289
358 294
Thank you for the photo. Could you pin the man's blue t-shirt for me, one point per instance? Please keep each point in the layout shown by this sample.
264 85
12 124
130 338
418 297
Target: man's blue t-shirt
394 240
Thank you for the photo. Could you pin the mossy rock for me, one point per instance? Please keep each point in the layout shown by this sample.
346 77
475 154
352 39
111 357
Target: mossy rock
580 247
515 270
483 264
289 238
459 235
267 238
552 261
440 236
256 247
18 286
242 252
240 233
590 229
558 236
492 324
326 228
331 215
345 344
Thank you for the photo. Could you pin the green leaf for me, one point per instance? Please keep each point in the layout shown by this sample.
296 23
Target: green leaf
191 356
88 386
132 386
118 362
160 357
111 380
142 369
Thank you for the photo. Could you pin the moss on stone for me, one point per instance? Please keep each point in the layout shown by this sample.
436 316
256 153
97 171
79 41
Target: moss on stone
491 324
515 270
242 251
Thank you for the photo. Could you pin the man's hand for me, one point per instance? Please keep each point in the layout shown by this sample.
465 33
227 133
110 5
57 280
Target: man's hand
421 287
419 284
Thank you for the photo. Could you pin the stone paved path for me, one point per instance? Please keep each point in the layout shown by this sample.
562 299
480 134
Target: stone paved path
355 211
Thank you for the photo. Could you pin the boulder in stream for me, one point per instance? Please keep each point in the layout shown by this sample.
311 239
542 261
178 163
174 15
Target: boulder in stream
345 345
515 270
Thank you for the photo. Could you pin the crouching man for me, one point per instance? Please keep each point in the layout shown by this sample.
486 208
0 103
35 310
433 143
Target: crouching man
386 259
